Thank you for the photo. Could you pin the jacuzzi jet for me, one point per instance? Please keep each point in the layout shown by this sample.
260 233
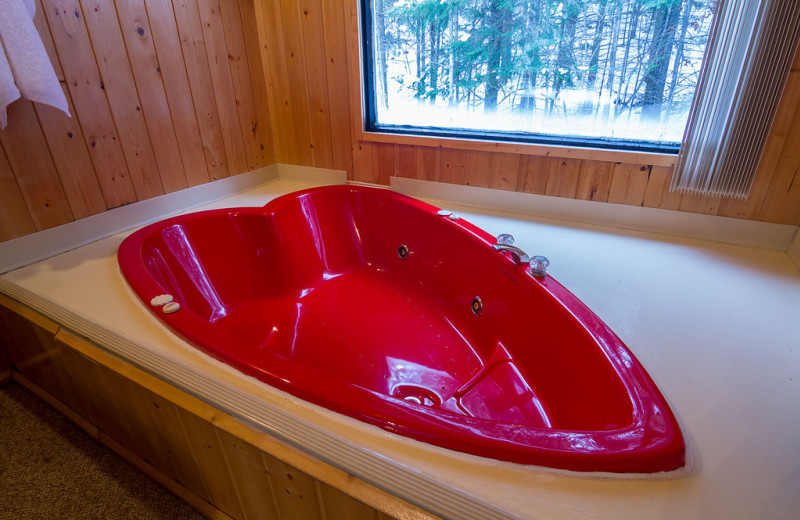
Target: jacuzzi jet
402 252
477 305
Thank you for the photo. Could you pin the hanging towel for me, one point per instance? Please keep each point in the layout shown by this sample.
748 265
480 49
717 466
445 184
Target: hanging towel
25 69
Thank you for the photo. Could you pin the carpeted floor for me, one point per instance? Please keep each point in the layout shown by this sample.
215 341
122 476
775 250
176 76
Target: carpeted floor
50 468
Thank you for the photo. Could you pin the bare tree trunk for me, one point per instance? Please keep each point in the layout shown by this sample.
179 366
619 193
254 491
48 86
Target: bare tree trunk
380 53
665 18
677 64
499 51
565 61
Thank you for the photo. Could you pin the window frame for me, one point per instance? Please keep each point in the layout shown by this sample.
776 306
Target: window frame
553 146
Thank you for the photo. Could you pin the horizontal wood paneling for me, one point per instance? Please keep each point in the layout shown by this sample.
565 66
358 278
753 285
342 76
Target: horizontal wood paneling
775 196
164 95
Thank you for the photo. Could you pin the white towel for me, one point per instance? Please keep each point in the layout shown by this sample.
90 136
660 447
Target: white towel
25 69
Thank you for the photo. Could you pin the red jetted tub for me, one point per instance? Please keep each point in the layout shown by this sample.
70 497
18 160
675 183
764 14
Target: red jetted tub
373 305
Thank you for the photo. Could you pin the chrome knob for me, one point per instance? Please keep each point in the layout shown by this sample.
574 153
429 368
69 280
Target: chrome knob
505 239
539 265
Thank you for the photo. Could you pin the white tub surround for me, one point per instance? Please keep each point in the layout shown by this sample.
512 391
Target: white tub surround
716 326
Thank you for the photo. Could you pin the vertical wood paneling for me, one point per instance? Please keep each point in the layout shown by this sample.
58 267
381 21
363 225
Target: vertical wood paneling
195 56
658 194
66 144
562 178
26 151
427 163
363 170
629 184
210 460
251 479
338 86
118 84
505 170
405 160
451 166
533 171
258 80
273 58
172 69
16 220
594 180
242 83
338 506
383 162
314 52
298 80
295 492
87 91
477 168
141 52
222 81
156 97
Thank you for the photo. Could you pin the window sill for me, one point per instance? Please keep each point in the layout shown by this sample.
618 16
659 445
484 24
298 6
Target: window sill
595 154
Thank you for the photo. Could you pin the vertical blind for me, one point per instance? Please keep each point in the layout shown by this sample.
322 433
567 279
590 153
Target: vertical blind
747 61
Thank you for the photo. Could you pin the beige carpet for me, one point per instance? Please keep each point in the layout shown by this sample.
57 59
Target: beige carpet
51 469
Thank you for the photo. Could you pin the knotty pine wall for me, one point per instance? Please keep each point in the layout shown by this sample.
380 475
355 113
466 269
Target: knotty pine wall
164 95
310 50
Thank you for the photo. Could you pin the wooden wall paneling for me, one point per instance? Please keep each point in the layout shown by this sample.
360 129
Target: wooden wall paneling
782 197
40 22
594 180
339 506
211 463
363 163
427 163
562 177
31 345
258 80
451 166
273 59
477 168
120 88
533 171
67 146
198 72
30 160
242 82
785 122
86 91
629 184
505 171
657 194
137 35
250 477
16 220
295 492
383 162
172 70
222 81
338 85
700 203
298 80
311 24
405 161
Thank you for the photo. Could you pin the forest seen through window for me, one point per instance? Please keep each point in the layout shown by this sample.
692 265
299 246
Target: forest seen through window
610 71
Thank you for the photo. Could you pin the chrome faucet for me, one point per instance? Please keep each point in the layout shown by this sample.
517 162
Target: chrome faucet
520 255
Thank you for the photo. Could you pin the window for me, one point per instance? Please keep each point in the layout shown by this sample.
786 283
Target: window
599 73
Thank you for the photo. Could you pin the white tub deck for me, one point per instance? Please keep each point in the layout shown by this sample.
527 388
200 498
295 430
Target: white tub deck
717 327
